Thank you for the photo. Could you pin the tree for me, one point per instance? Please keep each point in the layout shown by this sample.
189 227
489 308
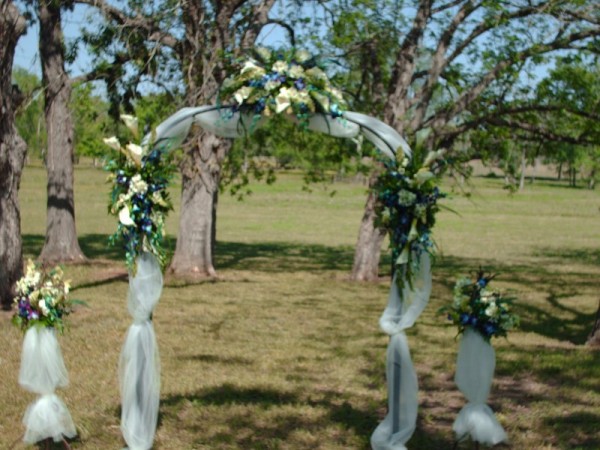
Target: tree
12 155
61 236
467 65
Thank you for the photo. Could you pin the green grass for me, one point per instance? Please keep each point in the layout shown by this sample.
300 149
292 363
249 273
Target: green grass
282 352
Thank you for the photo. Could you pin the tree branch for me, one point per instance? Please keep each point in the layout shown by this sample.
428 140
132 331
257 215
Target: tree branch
468 96
138 22
401 77
437 65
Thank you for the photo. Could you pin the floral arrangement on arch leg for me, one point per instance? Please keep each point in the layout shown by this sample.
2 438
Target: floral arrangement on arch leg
140 176
408 195
480 313
42 304
274 82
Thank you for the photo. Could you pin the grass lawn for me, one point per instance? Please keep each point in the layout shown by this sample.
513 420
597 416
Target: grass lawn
282 352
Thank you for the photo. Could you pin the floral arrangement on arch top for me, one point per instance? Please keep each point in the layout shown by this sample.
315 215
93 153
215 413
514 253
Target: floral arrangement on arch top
140 175
407 203
274 82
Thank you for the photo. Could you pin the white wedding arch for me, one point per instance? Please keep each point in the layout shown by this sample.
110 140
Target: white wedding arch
139 366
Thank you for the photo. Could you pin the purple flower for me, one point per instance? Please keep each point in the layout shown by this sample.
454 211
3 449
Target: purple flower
300 84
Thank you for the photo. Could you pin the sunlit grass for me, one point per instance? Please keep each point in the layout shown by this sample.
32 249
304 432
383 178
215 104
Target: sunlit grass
282 352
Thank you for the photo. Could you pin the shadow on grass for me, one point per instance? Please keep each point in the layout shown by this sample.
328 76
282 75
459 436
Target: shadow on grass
260 433
283 257
582 255
94 246
577 430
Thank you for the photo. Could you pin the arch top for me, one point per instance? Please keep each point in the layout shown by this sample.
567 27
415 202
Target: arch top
212 119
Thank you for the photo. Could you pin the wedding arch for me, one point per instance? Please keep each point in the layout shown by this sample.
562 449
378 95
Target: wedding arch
299 90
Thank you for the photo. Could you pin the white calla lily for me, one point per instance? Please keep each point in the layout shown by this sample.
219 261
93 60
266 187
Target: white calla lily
131 122
125 217
282 100
422 176
135 152
113 143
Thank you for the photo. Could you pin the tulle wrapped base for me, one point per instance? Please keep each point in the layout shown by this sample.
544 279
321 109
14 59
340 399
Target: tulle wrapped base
48 417
139 366
478 421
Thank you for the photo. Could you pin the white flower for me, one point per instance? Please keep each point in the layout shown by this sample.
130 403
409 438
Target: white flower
302 56
66 287
280 67
250 66
272 85
264 53
125 218
131 122
283 100
316 74
113 143
296 71
43 307
138 186
337 94
491 310
413 233
433 156
422 176
135 153
123 198
158 199
242 94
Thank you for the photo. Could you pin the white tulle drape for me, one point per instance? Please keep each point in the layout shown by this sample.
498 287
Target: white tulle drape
401 313
139 367
231 125
42 372
474 373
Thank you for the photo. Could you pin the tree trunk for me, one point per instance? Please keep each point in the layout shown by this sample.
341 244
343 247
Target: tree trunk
202 51
12 158
368 246
560 167
61 236
594 339
201 171
523 166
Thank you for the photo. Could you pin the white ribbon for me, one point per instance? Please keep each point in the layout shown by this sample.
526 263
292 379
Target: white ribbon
42 372
400 314
231 125
139 366
475 366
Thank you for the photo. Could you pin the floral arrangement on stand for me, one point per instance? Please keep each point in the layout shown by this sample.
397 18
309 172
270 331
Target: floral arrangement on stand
42 304
274 82
140 175
483 309
408 195
42 298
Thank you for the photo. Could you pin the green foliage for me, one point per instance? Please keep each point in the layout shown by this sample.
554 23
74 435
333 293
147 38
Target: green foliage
30 119
90 121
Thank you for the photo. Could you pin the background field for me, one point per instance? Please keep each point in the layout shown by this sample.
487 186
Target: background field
282 352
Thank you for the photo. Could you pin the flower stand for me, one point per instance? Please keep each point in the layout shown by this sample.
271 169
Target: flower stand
42 372
474 372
